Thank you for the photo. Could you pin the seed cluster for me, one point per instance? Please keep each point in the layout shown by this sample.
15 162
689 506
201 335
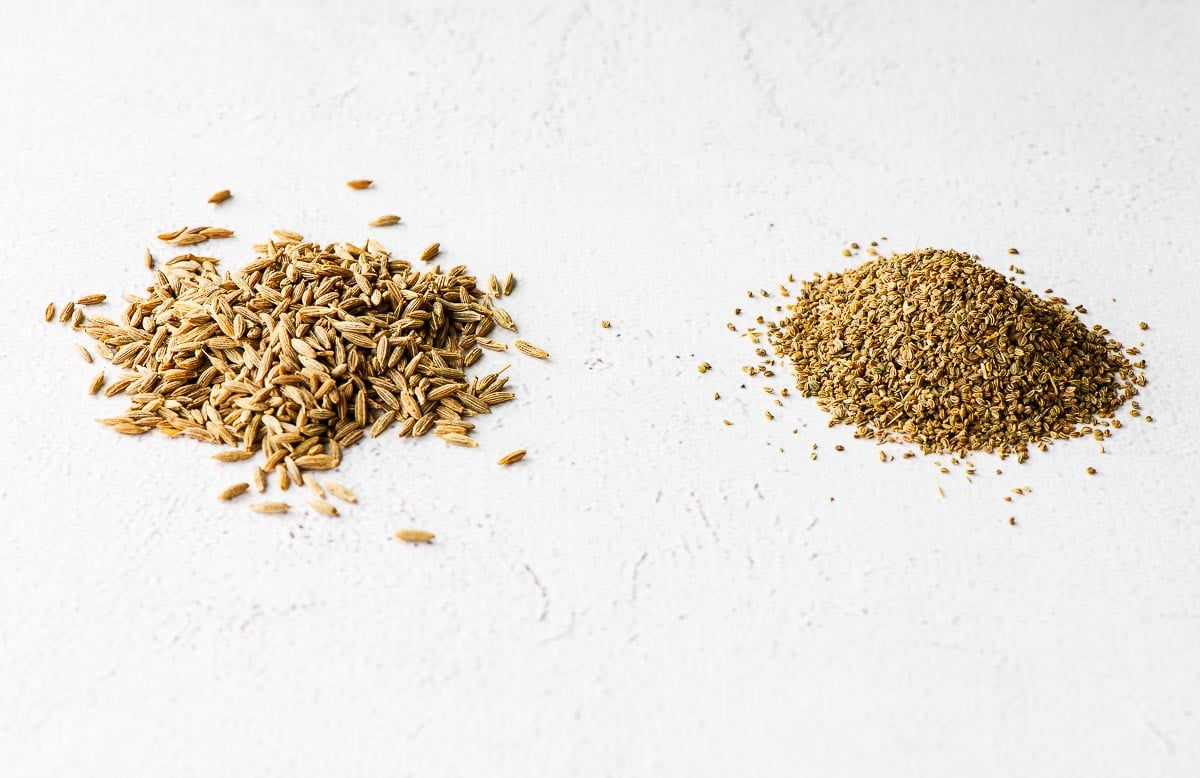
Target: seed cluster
934 349
301 353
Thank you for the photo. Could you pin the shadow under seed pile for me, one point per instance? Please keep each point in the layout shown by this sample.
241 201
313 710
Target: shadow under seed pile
934 349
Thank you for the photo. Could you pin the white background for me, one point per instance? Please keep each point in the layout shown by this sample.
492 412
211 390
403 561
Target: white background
651 593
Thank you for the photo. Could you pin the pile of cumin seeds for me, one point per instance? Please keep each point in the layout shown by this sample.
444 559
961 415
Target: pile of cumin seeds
934 349
302 352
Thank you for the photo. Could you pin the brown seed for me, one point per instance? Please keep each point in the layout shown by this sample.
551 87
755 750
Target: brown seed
511 457
220 197
96 383
83 352
260 480
385 221
359 183
50 312
605 323
530 350
703 367
457 439
1143 325
510 283
235 455
65 314
340 492
312 483
91 299
149 260
270 507
323 507
1013 251
233 491
415 536
169 236
1091 471
430 252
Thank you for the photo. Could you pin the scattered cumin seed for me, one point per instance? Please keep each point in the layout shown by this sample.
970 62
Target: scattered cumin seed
703 367
511 457
430 252
220 197
389 220
1013 251
270 507
340 492
458 439
415 536
260 480
605 323
96 383
84 353
91 299
149 260
50 312
359 183
530 350
324 507
1143 325
65 314
233 491
727 422
1091 471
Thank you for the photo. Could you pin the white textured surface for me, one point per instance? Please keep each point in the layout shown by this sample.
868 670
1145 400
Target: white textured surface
651 593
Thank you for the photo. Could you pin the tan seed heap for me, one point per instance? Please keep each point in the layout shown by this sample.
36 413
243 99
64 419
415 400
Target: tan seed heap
301 353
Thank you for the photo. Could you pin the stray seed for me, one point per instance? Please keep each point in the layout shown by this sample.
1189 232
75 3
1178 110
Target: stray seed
96 383
940 492
1013 251
605 323
359 183
220 197
1091 471
530 350
233 491
458 439
1143 325
83 352
727 422
385 221
64 315
882 456
91 299
415 536
716 395
703 367
432 251
340 492
270 507
50 312
149 260
260 480
323 507
839 447
511 457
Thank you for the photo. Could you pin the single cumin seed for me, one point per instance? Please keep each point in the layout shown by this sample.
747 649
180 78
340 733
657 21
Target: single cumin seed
233 491
530 350
511 457
388 220
220 197
359 183
415 536
270 507
340 492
